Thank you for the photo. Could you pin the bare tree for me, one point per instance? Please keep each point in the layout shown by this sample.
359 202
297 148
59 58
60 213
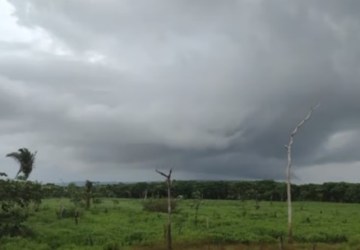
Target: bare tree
168 230
288 170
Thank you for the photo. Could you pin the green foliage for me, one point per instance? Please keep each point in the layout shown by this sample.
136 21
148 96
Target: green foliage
97 201
26 160
88 193
112 246
68 212
128 225
15 200
266 190
197 201
219 222
323 237
76 195
158 205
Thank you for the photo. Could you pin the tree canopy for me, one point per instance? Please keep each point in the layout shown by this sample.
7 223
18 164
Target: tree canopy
26 160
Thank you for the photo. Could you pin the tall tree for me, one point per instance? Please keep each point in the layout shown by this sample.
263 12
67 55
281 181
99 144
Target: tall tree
26 160
288 170
168 229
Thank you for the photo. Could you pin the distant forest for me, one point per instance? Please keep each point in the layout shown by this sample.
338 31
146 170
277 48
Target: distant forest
266 190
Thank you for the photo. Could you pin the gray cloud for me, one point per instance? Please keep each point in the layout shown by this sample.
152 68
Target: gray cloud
113 88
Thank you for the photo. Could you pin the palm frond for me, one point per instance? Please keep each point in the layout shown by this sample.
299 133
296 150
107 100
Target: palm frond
14 155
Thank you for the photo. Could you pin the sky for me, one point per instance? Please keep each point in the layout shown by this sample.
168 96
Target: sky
111 90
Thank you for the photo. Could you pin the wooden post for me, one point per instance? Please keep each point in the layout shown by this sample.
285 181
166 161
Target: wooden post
168 231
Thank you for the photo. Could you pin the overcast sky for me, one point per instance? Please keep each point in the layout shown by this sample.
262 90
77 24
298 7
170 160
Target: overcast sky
110 90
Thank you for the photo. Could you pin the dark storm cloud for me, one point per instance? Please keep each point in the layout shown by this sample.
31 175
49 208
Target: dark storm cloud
211 88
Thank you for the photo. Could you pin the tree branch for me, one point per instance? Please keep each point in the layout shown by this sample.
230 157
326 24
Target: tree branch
302 122
168 176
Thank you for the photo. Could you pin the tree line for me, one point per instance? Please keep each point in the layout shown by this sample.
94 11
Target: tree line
264 190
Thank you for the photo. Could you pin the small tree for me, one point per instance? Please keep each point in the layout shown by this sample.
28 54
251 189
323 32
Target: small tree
75 194
16 196
168 229
88 193
197 201
288 170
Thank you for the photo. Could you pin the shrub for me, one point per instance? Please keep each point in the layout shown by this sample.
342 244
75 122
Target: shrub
16 197
135 237
158 205
68 212
112 246
323 238
97 201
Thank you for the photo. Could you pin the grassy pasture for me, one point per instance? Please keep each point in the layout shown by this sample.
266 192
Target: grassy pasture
228 225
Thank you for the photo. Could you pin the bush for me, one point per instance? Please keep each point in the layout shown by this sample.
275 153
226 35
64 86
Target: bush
16 198
112 246
97 201
158 205
323 238
135 237
68 212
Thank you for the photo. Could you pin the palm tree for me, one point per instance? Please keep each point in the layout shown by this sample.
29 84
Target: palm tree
26 160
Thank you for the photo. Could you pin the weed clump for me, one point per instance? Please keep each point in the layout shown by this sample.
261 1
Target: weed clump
112 246
158 205
68 212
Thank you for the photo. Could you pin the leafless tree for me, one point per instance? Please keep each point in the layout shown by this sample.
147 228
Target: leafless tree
168 183
288 169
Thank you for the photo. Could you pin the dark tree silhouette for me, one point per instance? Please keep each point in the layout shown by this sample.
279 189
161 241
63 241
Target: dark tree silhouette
26 160
88 193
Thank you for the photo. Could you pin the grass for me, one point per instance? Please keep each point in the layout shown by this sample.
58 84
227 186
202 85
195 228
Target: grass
227 225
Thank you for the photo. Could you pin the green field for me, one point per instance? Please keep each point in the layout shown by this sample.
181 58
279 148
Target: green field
122 224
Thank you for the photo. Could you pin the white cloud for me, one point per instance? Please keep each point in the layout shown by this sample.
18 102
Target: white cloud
332 172
9 29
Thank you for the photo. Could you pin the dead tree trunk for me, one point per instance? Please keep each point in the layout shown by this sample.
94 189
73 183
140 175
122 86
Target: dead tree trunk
168 229
288 171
